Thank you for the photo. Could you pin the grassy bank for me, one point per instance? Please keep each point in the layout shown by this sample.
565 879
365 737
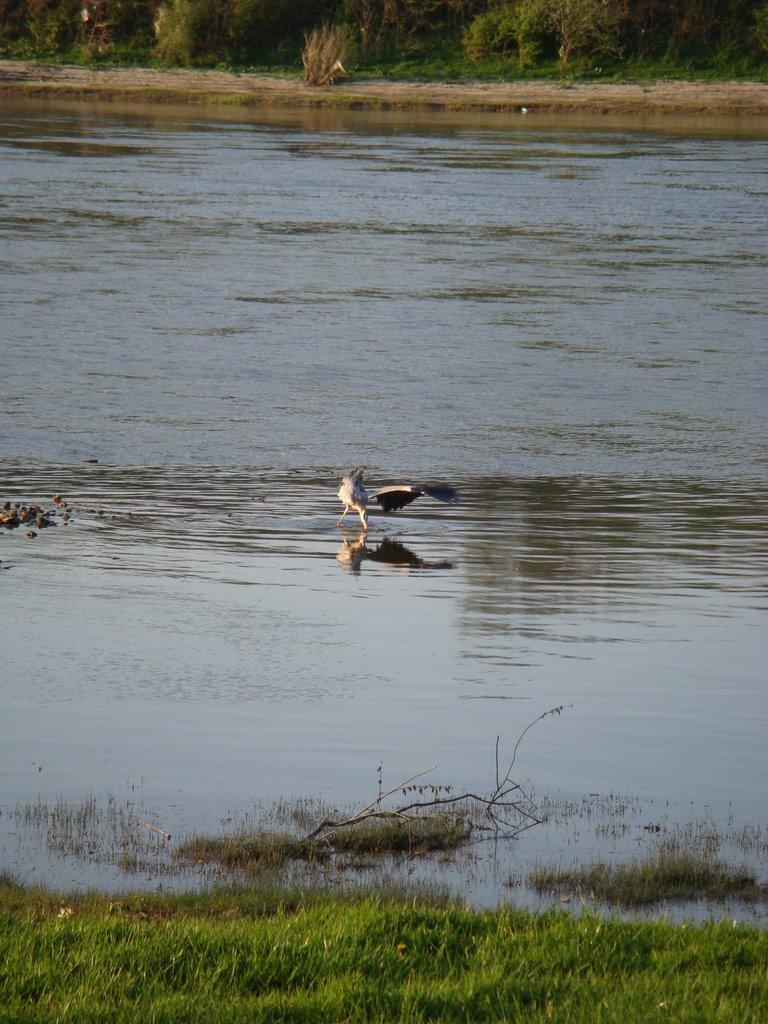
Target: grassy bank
242 957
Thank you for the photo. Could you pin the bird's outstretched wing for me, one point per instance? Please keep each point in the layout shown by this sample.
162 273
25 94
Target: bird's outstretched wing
393 498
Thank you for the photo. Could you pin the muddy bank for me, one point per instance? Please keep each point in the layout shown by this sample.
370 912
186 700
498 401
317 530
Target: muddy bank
731 99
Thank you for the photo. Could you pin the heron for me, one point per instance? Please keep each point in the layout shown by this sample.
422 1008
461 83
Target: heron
354 496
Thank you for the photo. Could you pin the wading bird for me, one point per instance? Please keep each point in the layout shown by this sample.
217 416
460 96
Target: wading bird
354 496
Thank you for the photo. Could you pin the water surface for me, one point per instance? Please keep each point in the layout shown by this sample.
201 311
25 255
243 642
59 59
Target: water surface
568 325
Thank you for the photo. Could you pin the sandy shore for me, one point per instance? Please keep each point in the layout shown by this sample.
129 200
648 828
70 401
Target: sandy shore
730 99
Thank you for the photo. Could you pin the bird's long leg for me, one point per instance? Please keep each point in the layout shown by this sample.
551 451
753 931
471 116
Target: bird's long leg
363 517
342 516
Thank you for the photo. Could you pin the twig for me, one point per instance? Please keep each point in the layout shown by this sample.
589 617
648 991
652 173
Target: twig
552 711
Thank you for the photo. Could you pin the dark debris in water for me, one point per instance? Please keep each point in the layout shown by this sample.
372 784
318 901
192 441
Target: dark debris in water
18 513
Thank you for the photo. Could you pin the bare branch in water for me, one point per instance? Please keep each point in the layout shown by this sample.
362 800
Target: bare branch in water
509 808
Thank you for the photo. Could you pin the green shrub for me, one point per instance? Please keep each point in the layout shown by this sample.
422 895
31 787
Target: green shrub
187 29
489 33
52 23
251 24
760 30
511 28
402 23
56 25
581 27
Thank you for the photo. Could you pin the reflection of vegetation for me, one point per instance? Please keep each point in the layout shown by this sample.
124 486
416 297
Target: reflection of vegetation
228 957
552 544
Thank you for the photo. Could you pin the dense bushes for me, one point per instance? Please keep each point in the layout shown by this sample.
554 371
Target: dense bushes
510 28
180 31
625 30
56 25
204 29
517 33
761 29
398 23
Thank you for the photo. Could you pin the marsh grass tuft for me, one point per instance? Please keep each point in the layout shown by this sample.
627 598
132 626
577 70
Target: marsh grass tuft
665 875
267 850
326 50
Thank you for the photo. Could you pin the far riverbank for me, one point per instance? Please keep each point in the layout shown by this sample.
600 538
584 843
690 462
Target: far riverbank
224 88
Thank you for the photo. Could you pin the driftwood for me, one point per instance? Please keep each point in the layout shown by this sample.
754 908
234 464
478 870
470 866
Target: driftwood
508 808
336 73
155 828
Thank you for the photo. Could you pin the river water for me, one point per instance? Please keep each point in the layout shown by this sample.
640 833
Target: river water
207 319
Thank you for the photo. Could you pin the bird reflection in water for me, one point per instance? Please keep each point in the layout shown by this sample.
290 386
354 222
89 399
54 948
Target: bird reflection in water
353 553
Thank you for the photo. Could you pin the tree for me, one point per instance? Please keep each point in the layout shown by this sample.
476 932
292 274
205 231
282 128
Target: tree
581 26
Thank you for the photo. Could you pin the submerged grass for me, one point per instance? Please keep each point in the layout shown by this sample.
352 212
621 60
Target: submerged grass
244 957
664 876
267 850
95 831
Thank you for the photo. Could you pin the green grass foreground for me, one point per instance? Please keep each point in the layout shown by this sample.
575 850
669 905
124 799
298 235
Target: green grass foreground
251 957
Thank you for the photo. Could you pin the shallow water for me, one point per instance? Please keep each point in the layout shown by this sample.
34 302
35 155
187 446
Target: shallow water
568 325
